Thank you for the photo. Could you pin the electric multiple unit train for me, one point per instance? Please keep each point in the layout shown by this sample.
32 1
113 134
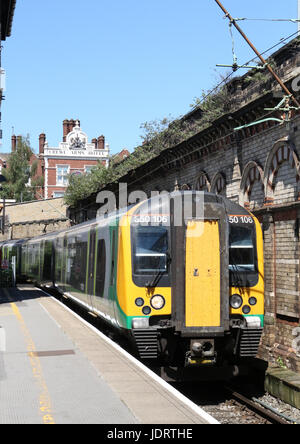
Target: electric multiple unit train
181 276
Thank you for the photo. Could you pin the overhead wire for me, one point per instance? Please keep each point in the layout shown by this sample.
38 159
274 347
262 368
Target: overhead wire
211 92
178 159
198 105
245 64
267 20
196 149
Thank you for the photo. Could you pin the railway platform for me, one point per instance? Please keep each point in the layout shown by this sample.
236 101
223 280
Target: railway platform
55 368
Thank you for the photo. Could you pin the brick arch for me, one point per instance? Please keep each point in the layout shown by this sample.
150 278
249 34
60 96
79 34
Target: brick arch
185 187
202 183
252 175
218 184
283 151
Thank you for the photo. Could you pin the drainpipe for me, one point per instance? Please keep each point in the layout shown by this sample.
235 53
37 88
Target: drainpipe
274 267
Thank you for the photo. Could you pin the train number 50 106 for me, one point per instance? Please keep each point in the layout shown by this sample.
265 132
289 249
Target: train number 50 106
240 220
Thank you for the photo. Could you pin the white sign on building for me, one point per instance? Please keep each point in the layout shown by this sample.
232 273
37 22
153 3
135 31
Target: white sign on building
74 155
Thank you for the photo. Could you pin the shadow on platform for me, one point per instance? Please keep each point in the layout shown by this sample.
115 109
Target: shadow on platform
20 294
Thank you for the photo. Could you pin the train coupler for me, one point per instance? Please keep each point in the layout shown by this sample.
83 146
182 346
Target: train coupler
202 353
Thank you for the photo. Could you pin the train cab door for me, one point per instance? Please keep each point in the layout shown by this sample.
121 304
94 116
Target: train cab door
202 274
91 267
200 271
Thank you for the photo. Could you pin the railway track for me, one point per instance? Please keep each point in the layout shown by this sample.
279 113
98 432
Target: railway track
224 403
262 414
233 407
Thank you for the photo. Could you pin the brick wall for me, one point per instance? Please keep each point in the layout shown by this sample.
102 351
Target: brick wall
74 164
260 173
282 302
247 182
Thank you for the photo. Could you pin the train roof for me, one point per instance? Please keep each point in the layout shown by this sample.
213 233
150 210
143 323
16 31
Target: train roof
102 221
12 242
107 220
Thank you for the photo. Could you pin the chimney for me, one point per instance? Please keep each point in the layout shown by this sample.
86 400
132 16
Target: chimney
68 126
13 143
101 143
19 141
95 142
65 129
72 123
42 141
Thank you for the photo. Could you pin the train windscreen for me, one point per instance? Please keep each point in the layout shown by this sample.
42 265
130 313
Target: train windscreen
150 255
151 247
242 255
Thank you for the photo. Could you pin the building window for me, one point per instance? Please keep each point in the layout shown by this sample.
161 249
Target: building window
58 194
88 168
62 173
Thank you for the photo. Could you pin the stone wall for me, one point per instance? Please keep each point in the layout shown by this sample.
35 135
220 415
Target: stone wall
30 219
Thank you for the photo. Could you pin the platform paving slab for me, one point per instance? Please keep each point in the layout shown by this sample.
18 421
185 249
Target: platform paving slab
45 378
54 368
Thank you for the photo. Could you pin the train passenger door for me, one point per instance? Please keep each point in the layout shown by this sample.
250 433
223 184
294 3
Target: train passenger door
64 263
91 266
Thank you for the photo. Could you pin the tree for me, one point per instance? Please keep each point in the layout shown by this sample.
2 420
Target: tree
20 175
158 135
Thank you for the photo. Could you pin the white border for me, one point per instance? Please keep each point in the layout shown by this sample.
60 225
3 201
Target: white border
196 409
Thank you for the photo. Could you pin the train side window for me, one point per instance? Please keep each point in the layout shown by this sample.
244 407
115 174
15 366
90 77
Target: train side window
101 267
58 253
47 260
77 256
113 247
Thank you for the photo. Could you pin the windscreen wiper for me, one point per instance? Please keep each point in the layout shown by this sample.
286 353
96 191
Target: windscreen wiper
160 274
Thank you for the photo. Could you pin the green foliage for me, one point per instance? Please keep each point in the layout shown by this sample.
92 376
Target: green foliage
281 363
81 187
18 174
161 134
158 135
214 104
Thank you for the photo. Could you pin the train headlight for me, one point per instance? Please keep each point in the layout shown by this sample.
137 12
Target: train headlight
157 302
246 309
139 302
236 301
252 301
146 311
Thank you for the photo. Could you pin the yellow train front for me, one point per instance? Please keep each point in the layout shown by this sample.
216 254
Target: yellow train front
190 280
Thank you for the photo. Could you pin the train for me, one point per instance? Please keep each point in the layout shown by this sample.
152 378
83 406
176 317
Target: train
181 275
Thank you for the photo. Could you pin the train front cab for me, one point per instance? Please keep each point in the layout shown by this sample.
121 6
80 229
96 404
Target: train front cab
218 267
181 280
200 281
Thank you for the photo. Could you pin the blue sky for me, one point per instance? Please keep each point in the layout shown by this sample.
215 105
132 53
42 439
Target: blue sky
115 64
